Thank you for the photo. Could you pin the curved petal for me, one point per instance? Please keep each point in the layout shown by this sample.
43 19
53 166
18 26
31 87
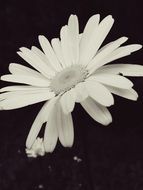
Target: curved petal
67 101
98 112
123 51
99 93
130 94
112 80
118 53
106 50
41 118
125 69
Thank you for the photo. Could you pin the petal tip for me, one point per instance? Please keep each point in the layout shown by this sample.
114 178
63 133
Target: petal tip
49 149
41 37
108 122
140 46
18 52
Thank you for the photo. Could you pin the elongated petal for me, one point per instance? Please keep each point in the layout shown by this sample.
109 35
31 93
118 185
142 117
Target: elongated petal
34 81
65 46
56 44
112 45
65 128
98 112
112 80
13 100
38 52
87 37
80 91
124 69
17 69
106 50
99 35
118 53
68 101
124 51
22 88
46 46
35 61
130 94
42 56
41 118
73 29
51 133
99 93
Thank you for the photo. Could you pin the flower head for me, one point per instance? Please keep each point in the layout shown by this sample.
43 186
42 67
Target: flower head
69 70
37 149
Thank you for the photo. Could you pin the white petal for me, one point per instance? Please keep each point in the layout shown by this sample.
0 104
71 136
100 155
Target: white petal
38 52
98 112
99 93
22 88
40 119
87 37
17 69
36 62
65 128
14 100
125 69
99 35
65 46
81 92
56 44
67 101
118 53
130 94
51 133
42 56
46 46
73 29
112 80
124 51
106 50
113 45
35 81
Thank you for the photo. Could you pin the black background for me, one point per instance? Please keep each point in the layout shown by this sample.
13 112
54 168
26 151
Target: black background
112 157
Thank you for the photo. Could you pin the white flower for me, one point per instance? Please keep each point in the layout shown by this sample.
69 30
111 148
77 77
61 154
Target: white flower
37 149
69 70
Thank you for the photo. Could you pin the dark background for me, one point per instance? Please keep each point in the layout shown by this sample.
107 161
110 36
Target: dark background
112 157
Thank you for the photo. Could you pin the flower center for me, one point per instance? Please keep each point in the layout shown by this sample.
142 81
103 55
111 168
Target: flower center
68 78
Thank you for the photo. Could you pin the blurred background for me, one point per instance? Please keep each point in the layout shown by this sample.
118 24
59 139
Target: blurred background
102 158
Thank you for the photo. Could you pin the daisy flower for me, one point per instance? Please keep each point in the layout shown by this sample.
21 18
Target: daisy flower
70 69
